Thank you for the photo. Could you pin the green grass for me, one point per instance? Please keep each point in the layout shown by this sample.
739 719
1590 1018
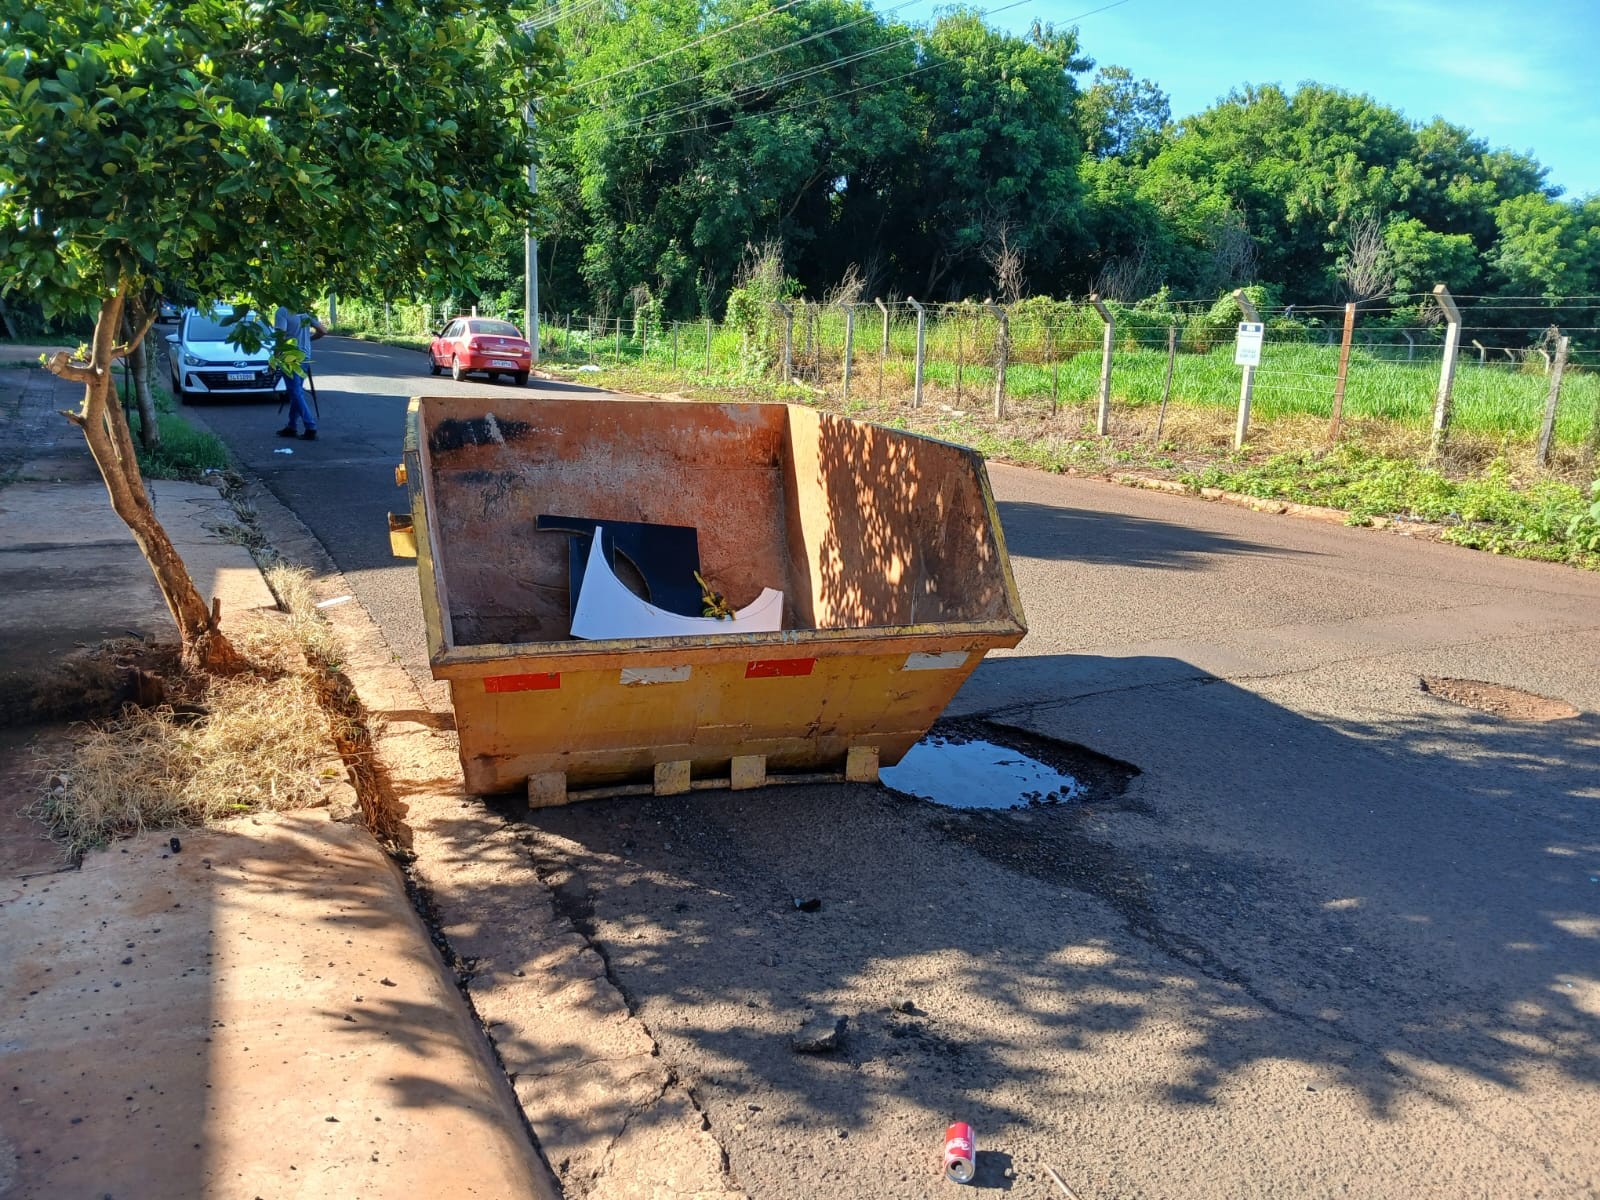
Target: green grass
404 341
1539 518
1296 379
185 452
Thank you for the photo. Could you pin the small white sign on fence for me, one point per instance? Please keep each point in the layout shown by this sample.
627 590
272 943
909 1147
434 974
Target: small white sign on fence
1247 345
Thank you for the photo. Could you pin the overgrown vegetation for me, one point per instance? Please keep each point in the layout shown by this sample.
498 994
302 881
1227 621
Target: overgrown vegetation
1496 510
217 746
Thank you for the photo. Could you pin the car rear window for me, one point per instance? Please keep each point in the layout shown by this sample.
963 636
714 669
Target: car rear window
497 328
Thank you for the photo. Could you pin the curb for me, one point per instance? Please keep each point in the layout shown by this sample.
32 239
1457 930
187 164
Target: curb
606 1114
1286 508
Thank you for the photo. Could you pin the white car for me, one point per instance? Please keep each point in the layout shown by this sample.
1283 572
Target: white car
204 363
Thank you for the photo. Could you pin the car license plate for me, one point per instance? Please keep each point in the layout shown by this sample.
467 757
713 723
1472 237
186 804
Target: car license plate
241 376
503 362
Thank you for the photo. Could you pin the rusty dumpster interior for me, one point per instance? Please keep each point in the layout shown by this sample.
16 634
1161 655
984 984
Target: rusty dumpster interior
859 526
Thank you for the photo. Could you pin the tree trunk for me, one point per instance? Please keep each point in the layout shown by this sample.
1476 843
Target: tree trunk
139 364
105 428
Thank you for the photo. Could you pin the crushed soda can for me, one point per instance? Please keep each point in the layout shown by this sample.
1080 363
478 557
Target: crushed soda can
960 1153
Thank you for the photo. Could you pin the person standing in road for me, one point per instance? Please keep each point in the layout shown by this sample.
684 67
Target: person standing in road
303 328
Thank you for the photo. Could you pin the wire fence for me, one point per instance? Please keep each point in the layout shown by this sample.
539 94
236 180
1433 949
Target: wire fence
1037 358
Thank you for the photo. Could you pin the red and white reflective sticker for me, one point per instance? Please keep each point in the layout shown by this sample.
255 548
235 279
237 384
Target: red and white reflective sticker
948 661
641 676
522 683
778 668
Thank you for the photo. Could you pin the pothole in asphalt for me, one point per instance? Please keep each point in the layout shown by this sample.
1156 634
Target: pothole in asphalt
1498 700
979 765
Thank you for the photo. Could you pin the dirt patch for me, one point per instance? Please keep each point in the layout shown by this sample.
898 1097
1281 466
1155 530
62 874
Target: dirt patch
26 847
95 681
1497 700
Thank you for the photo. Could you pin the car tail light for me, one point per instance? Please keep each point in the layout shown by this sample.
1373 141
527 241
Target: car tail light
474 343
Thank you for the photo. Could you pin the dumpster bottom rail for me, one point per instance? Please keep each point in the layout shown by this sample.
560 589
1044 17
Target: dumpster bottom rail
549 790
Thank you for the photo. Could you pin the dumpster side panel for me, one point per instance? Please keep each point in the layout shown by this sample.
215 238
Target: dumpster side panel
605 726
892 529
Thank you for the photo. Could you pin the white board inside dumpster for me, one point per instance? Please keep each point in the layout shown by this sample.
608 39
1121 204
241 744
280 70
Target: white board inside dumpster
606 609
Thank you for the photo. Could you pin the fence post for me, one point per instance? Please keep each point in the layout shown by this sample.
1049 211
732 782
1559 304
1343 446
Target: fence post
1483 353
960 349
1002 355
849 342
1411 345
1053 345
1166 386
788 339
883 349
1344 369
1102 424
1447 368
388 325
618 353
708 345
675 325
1247 386
1547 431
922 347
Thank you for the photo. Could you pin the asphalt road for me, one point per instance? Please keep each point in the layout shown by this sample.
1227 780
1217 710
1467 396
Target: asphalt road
1314 933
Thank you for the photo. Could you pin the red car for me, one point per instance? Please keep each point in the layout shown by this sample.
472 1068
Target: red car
481 344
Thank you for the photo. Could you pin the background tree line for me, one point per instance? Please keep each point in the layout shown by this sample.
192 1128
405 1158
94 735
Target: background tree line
929 156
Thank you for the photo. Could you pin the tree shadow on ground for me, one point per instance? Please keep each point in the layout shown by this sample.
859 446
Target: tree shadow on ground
1403 907
1055 532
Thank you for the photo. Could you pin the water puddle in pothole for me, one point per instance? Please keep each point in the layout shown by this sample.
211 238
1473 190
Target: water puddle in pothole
960 773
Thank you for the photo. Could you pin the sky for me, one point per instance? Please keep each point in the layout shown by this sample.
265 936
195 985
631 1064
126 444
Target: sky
1521 77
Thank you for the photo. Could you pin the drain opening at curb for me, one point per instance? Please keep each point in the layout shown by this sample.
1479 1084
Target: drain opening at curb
1497 699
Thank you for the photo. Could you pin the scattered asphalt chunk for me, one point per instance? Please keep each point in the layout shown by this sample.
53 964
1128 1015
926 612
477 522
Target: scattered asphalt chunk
176 845
908 1006
387 982
811 904
820 1035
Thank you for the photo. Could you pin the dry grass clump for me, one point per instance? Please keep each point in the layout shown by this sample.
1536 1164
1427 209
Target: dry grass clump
292 586
253 741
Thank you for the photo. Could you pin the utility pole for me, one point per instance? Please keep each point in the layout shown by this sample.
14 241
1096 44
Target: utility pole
530 251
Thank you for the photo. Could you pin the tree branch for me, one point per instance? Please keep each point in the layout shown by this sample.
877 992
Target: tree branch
61 365
138 335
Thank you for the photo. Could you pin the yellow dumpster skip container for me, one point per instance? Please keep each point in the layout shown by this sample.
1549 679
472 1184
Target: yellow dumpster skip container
886 546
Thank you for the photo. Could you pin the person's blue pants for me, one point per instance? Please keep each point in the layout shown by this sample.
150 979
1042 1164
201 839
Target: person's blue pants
299 411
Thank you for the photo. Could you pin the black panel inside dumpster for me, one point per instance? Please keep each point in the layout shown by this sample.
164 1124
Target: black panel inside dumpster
667 557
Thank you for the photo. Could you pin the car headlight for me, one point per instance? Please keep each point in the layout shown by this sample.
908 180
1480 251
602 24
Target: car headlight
194 360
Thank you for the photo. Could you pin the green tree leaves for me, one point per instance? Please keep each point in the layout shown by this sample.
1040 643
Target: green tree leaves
225 149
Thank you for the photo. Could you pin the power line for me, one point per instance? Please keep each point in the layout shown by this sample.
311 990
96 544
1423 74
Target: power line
715 33
802 73
774 50
745 90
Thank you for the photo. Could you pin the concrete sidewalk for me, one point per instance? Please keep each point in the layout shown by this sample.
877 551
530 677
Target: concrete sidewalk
261 1013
